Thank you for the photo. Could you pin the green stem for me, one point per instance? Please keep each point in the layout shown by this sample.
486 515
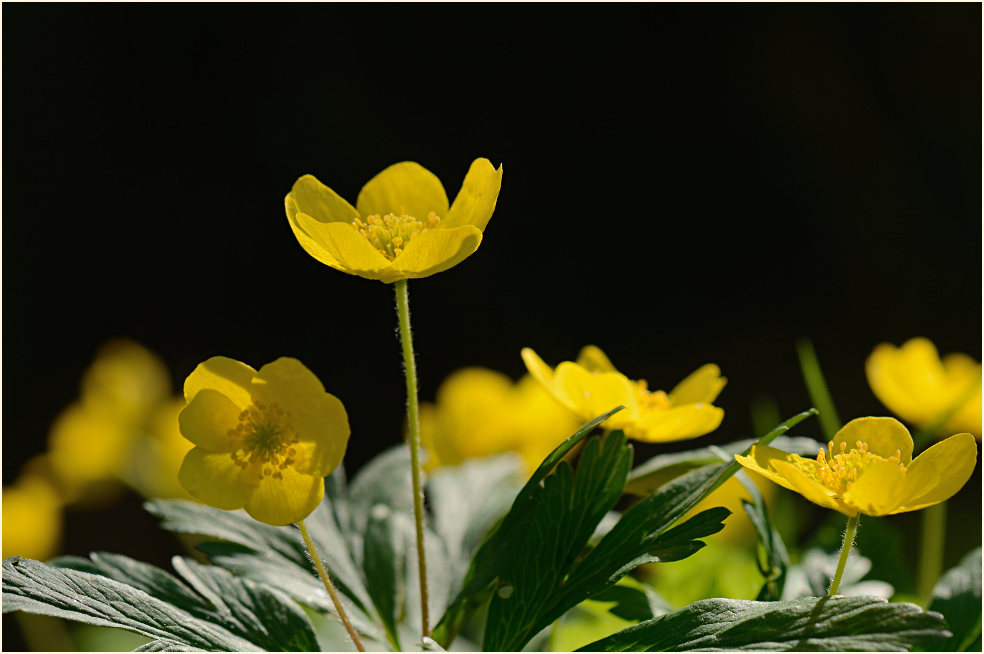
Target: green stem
852 525
328 585
413 420
931 549
817 388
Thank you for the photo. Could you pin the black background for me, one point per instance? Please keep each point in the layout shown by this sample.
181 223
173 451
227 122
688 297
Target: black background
683 184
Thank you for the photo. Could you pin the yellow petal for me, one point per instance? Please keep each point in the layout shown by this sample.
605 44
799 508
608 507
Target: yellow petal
318 417
878 490
542 373
214 478
909 380
341 246
595 394
475 201
702 385
222 374
125 381
593 359
310 244
810 489
883 435
677 423
403 188
207 420
474 416
433 251
318 201
938 473
86 445
762 457
280 502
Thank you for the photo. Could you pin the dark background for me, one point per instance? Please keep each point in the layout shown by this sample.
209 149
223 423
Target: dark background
683 184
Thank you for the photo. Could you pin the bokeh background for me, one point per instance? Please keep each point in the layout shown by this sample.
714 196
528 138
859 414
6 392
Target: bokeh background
683 184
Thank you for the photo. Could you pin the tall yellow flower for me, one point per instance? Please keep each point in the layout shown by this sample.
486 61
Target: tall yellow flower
592 386
481 412
920 388
401 226
264 441
868 468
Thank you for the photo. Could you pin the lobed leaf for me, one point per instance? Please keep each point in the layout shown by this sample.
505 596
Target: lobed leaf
957 595
827 624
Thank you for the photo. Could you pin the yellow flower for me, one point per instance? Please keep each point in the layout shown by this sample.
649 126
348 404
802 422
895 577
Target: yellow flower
401 226
264 441
32 520
868 468
90 443
592 386
918 387
481 412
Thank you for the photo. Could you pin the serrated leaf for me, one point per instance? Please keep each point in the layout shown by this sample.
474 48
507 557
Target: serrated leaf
276 556
483 570
263 616
816 624
162 645
556 526
957 595
34 587
633 600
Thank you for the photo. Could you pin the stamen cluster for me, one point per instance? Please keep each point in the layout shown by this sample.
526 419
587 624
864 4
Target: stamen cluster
266 438
651 400
390 233
841 470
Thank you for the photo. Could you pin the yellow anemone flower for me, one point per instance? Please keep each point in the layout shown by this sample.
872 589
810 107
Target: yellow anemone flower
264 441
868 468
401 226
593 386
920 388
481 412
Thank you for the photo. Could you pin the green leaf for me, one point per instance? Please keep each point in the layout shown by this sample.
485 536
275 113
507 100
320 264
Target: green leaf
484 568
811 576
659 470
276 556
384 566
957 595
633 600
263 616
815 624
773 568
34 587
162 645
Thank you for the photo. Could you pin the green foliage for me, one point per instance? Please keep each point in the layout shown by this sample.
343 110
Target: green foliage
775 559
957 595
816 624
217 612
811 576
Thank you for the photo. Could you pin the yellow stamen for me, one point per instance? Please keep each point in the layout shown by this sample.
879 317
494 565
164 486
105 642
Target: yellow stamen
390 233
651 400
266 438
840 471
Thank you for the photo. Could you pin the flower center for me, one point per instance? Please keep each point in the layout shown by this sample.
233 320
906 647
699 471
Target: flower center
841 470
390 233
650 400
266 438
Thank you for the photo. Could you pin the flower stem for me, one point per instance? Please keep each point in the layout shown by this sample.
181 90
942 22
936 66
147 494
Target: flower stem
413 420
328 585
931 549
852 525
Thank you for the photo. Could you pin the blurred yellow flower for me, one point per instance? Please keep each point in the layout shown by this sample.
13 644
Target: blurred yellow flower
155 459
481 412
90 442
32 520
592 386
264 441
868 468
920 388
401 226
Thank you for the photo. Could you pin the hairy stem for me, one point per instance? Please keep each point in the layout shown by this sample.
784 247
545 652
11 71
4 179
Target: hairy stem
329 586
413 420
852 525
